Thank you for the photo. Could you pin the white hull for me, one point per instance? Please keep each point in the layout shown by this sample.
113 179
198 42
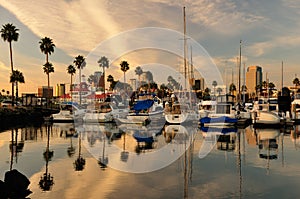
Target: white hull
265 117
181 118
65 116
98 117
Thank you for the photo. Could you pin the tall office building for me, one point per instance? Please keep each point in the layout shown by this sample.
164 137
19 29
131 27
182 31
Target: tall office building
253 78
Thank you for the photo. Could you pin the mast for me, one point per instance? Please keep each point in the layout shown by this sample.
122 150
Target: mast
240 65
281 76
192 67
184 46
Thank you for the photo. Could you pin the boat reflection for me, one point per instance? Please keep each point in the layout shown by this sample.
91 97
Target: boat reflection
224 138
295 136
139 148
267 141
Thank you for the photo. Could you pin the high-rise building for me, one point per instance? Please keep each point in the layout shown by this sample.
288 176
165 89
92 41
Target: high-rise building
43 92
60 90
253 78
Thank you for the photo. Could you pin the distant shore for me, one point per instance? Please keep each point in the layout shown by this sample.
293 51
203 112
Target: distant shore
20 116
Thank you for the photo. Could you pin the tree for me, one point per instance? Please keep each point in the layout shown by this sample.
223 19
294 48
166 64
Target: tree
232 88
48 68
110 79
124 67
206 94
296 82
139 71
71 70
10 33
219 90
80 64
104 63
17 77
92 79
47 47
244 88
214 84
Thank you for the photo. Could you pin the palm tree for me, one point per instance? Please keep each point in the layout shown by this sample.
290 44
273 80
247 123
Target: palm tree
71 70
48 68
80 64
149 77
139 71
232 88
110 79
296 82
104 63
124 67
47 46
10 33
17 77
214 84
219 90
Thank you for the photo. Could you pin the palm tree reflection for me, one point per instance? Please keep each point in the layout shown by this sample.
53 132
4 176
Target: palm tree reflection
46 181
71 148
15 146
103 160
124 153
80 161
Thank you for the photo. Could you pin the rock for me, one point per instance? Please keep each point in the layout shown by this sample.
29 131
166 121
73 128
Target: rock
17 184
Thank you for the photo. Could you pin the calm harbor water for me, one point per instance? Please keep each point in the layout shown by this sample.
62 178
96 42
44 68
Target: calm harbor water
242 163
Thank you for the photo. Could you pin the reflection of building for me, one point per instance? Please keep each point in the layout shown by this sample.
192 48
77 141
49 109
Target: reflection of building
42 92
60 89
253 78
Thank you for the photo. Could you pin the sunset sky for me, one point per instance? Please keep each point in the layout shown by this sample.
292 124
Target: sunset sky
269 31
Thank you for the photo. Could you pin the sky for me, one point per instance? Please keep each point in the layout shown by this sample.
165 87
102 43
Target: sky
269 31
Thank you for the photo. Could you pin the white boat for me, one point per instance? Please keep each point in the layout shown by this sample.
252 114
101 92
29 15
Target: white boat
69 112
180 113
103 112
142 112
296 108
222 112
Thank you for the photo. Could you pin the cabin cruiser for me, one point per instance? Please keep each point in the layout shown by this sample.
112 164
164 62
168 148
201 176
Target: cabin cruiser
222 112
69 112
103 112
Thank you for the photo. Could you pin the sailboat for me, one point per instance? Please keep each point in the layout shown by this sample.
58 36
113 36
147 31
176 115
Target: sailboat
181 112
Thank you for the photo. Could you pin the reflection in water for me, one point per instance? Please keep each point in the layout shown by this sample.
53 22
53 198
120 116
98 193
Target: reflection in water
267 144
46 181
80 161
241 173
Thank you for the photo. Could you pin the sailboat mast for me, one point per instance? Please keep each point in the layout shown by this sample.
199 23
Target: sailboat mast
240 65
185 50
281 77
192 67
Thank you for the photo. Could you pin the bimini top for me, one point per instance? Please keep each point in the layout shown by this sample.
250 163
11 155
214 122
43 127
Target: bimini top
142 105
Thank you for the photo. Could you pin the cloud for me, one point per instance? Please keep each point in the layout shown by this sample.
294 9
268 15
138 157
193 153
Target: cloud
74 26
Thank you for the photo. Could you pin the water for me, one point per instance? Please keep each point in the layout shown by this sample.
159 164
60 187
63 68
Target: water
248 163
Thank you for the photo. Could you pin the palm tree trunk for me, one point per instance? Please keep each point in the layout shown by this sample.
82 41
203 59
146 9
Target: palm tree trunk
71 89
12 70
48 89
48 93
17 91
124 81
80 85
104 81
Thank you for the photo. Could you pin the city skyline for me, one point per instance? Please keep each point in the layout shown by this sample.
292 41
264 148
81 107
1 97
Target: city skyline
268 30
